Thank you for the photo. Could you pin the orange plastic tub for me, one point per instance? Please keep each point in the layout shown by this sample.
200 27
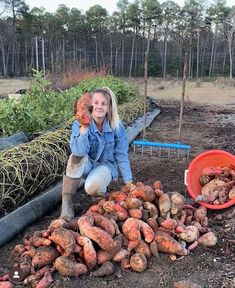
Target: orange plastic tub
215 158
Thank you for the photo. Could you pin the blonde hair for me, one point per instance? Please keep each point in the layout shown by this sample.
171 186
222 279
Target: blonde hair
112 114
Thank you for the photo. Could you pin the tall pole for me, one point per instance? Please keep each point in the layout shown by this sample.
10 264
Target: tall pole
183 93
146 84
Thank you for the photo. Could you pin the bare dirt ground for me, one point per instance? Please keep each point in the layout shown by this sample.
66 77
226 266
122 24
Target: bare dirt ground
204 127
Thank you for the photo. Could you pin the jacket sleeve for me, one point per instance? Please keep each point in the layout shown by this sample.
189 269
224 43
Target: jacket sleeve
121 153
79 143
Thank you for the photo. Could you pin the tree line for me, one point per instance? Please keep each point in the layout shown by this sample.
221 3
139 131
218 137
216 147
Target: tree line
70 38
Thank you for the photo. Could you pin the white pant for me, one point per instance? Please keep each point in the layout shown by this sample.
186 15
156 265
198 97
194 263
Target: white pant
97 177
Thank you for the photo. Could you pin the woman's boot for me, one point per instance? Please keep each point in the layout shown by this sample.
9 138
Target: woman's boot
70 186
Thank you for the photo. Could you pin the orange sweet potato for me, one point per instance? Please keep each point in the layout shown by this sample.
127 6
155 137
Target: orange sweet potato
103 223
121 254
135 213
114 208
166 243
103 256
68 267
131 229
117 196
44 256
105 269
170 224
64 239
101 237
144 192
147 231
89 252
143 248
138 262
57 223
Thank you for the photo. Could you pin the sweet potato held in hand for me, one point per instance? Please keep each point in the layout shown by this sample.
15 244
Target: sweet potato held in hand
83 109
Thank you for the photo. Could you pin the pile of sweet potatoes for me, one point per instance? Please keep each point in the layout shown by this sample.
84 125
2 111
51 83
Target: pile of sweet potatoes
129 227
218 185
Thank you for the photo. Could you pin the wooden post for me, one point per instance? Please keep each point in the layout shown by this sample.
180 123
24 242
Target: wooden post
183 93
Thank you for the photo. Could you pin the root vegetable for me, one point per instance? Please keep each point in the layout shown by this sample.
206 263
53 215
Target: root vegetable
147 231
116 209
164 204
103 256
121 254
101 237
152 222
125 263
200 214
105 269
45 281
103 223
44 256
190 235
166 243
145 192
170 224
209 239
177 203
57 223
138 262
152 209
135 213
154 249
132 244
117 196
89 252
37 241
211 190
64 239
143 248
117 231
132 227
133 203
67 267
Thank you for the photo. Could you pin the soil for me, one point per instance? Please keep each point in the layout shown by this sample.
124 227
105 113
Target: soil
204 127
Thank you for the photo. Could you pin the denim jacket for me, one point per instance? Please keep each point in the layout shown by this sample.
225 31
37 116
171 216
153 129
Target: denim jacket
108 147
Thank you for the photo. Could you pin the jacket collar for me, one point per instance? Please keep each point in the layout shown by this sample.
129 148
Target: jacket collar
106 126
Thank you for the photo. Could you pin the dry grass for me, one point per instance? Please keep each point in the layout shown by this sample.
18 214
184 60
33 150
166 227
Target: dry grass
211 93
8 86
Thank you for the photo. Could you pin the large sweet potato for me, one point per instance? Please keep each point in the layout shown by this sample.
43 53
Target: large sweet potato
166 243
44 256
68 267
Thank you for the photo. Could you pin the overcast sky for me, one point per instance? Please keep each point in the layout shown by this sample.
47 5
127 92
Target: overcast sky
110 5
